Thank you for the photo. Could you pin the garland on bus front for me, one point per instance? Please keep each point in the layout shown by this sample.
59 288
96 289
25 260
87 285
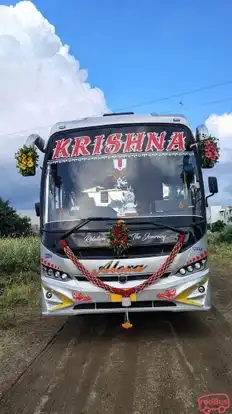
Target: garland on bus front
209 151
119 238
92 276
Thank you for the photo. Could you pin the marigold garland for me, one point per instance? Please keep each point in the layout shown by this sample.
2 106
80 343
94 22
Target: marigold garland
27 160
119 238
209 151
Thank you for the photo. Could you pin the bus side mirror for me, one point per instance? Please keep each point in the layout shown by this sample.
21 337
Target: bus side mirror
37 209
201 131
35 139
213 187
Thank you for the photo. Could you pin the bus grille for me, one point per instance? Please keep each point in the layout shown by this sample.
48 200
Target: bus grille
118 305
121 278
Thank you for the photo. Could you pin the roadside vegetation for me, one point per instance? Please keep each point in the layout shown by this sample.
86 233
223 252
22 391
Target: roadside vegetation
19 266
19 279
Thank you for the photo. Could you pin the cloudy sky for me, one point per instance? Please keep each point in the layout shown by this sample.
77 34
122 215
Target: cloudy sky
70 59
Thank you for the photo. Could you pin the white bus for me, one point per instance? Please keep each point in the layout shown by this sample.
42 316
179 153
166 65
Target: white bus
143 174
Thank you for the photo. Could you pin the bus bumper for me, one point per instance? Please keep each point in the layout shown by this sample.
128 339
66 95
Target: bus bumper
174 294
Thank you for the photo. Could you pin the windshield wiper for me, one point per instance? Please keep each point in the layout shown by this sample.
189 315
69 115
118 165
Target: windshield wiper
83 222
165 226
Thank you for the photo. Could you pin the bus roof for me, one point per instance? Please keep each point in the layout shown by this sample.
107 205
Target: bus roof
121 118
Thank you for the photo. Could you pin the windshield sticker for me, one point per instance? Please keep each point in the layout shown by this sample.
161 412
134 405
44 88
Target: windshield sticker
119 164
137 238
119 143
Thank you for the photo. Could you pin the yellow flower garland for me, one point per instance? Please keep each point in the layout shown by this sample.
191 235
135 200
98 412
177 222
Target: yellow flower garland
27 160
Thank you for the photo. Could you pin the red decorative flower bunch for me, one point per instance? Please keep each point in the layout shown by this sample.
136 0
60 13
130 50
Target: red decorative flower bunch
209 152
119 237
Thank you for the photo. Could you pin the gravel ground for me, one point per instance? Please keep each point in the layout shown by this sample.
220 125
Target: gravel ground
21 344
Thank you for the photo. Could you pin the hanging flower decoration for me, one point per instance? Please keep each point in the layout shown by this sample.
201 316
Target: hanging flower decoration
119 238
27 160
209 151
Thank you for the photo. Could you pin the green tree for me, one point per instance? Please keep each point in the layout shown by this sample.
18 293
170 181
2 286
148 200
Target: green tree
11 224
218 226
226 235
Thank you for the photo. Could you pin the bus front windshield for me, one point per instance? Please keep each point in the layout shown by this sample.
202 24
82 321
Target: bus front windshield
127 184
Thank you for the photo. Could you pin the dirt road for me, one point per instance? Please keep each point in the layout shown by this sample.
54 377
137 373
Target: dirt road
162 365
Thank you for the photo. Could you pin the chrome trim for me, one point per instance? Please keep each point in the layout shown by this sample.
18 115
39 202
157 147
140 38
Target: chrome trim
122 310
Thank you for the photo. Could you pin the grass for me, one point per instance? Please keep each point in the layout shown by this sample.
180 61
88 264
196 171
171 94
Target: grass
19 255
19 279
20 299
20 282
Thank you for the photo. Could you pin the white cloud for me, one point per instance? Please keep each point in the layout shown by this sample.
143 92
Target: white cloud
40 84
221 127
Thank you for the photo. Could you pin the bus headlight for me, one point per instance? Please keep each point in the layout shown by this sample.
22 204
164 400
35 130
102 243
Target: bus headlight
55 274
50 272
190 268
194 267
